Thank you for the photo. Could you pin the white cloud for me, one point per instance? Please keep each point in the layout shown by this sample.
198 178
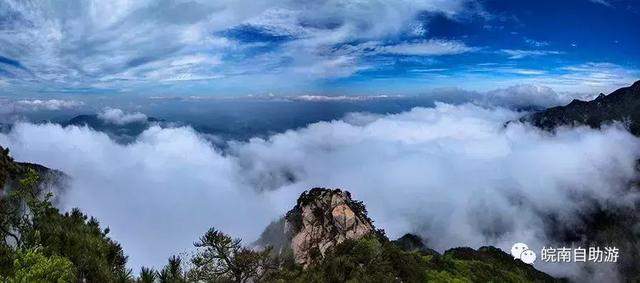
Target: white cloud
418 29
50 104
594 77
324 98
589 78
507 70
119 117
602 2
519 54
536 43
331 62
454 174
433 47
526 95
364 19
600 74
525 71
330 67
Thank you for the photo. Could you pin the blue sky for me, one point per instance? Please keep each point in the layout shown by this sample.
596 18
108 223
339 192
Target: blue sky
241 47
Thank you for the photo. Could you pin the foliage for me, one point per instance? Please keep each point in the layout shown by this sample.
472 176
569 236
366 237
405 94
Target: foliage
172 272
97 258
222 258
485 264
33 266
369 259
28 220
8 167
375 259
147 275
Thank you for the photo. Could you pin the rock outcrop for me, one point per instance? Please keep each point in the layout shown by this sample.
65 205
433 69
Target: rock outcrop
324 218
330 236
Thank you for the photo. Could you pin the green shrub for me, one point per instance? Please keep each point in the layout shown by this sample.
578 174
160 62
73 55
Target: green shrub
33 266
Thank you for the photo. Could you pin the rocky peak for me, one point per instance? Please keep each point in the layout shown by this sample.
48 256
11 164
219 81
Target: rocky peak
323 218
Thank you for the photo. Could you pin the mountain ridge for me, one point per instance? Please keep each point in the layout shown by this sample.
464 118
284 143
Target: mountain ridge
621 105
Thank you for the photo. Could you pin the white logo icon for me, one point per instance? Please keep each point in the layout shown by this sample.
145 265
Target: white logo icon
517 249
521 251
528 257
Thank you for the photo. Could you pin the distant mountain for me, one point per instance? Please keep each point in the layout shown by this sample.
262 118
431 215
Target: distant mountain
120 132
622 105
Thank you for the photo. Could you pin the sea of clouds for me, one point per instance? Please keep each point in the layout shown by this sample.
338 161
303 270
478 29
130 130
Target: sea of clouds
455 174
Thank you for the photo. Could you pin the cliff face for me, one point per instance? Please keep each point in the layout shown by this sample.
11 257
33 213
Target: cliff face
322 219
622 105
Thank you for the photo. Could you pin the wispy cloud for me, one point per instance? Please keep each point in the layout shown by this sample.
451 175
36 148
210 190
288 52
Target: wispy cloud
598 74
602 2
525 71
50 104
536 43
433 47
519 54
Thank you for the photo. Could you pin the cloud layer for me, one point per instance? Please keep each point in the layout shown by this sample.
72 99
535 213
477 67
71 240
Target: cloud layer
453 174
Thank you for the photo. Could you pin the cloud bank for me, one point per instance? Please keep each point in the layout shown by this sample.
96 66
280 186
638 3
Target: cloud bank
453 174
